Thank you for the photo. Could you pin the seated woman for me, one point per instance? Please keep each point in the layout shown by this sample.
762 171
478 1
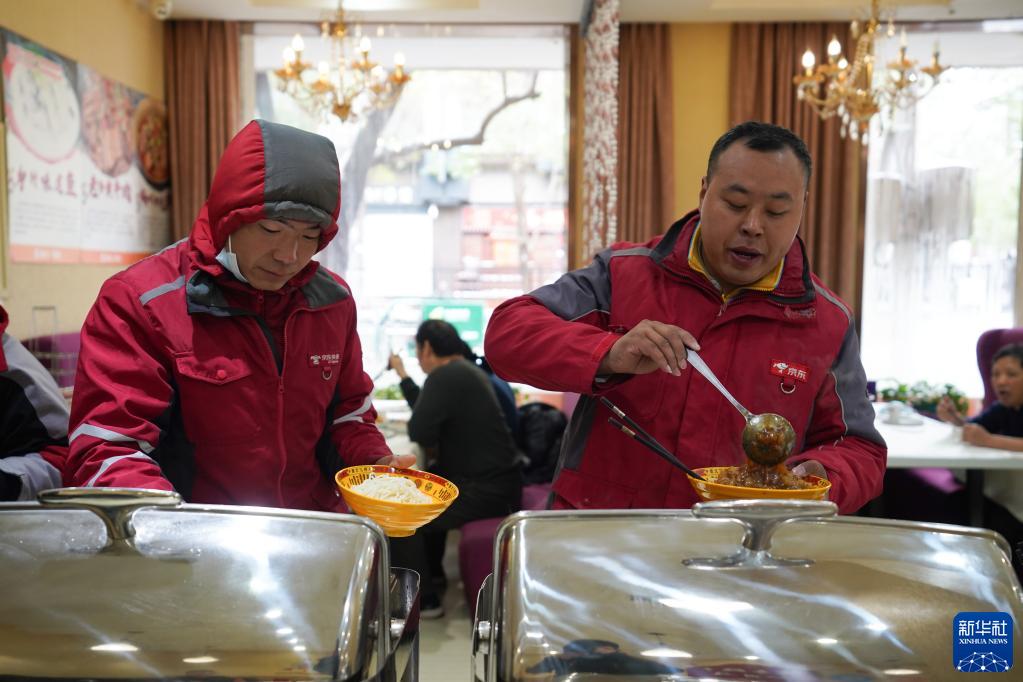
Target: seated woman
999 426
458 421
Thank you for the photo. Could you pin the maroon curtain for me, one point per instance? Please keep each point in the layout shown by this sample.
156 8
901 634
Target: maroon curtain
203 103
646 179
765 57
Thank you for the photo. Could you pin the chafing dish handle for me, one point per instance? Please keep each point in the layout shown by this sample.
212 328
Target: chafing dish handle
761 519
115 506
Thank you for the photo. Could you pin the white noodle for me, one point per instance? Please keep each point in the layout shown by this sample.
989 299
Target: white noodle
392 489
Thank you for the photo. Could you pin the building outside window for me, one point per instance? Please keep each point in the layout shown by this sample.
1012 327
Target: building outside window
943 214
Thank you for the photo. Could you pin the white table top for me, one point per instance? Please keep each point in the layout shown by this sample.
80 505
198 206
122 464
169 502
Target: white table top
936 444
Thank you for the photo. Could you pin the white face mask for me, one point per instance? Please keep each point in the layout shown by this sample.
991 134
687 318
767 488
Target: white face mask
227 258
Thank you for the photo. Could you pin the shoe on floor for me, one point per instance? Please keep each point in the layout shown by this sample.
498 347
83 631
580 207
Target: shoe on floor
430 608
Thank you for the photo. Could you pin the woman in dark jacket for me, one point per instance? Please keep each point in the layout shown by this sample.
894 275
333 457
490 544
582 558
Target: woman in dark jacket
457 420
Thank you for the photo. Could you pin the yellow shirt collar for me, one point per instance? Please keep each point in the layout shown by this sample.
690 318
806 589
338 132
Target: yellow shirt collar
766 283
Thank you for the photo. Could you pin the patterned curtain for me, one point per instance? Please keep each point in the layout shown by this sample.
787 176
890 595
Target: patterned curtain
600 134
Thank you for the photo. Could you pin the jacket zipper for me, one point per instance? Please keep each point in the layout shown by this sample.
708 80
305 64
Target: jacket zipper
280 410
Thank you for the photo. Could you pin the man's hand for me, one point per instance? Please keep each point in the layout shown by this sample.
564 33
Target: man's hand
647 347
394 362
810 467
947 412
399 461
975 434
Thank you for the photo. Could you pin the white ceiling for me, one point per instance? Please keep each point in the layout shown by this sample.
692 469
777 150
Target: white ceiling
570 11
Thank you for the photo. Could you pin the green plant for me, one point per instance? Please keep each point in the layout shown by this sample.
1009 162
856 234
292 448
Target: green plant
392 392
924 397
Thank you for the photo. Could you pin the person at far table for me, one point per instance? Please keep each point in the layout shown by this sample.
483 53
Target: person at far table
731 280
505 395
457 420
227 367
33 422
999 426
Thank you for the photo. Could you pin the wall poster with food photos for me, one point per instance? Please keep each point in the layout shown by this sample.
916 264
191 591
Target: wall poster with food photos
87 161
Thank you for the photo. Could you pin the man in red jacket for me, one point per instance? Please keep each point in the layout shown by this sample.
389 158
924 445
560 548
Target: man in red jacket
730 280
227 367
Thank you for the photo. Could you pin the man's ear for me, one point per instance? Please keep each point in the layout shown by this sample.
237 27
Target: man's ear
704 183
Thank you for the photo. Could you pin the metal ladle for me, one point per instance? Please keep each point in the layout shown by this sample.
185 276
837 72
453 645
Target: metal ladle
767 438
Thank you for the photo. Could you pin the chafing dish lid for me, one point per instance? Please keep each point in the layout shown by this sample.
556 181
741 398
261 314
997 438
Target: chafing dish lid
662 594
209 591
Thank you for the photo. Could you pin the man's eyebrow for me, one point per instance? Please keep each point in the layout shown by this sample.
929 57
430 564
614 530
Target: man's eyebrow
736 187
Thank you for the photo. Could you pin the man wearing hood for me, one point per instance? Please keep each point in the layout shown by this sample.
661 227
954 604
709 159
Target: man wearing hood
227 367
33 422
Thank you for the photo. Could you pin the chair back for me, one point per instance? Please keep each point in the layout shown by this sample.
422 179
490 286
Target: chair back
989 343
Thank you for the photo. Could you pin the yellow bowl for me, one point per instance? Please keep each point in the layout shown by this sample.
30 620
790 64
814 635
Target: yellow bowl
398 519
710 489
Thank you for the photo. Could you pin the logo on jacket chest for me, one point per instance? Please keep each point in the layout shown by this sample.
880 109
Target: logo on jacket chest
790 373
324 359
327 363
790 370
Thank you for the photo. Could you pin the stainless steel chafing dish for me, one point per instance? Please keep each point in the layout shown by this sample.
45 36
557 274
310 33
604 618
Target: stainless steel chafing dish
132 584
733 590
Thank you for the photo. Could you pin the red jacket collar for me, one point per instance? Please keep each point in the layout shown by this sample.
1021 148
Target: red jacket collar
671 251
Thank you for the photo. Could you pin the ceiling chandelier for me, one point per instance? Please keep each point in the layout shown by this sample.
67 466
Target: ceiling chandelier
847 90
349 85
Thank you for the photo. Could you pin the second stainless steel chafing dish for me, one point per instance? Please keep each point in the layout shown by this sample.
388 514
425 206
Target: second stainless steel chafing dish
735 590
133 584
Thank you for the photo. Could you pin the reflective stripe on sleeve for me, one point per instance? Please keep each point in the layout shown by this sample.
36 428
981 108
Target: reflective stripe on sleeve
107 463
109 436
357 414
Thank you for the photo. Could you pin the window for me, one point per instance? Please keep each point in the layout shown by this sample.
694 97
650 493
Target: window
943 216
461 189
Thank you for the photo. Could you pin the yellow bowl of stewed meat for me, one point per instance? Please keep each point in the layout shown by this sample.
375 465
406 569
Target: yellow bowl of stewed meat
750 483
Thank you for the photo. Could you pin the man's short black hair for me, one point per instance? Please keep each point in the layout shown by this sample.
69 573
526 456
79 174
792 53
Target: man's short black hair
762 137
1012 350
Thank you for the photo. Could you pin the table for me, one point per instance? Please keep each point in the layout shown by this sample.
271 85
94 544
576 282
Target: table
936 444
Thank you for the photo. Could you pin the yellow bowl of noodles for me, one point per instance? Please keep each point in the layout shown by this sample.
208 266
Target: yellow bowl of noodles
399 500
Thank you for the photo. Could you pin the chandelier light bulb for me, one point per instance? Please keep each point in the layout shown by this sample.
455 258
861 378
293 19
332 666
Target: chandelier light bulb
902 38
843 63
834 47
809 60
337 90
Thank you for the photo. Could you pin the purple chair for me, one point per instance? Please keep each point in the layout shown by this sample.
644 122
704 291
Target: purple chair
476 545
989 343
58 353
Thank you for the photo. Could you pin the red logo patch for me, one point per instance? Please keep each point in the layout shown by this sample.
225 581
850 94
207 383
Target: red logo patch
790 370
324 359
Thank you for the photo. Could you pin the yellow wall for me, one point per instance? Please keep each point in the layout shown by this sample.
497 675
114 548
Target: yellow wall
121 40
700 55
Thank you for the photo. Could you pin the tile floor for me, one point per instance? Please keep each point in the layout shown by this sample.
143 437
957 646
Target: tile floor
445 644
